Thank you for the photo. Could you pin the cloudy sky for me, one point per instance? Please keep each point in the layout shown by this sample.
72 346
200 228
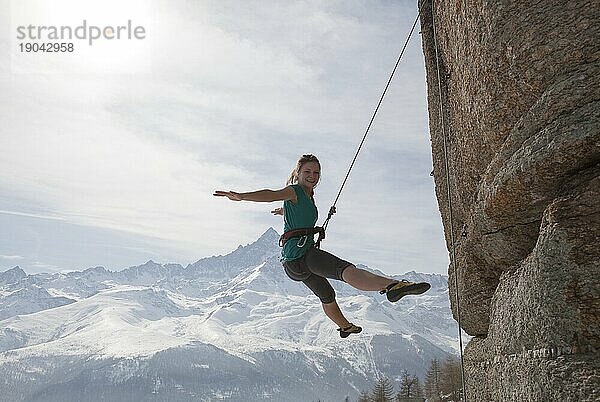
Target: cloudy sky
111 153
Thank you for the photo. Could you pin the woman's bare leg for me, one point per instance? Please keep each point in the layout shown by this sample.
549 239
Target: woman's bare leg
365 280
332 310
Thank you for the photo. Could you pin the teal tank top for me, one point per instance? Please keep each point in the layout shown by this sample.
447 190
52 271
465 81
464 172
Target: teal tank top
303 214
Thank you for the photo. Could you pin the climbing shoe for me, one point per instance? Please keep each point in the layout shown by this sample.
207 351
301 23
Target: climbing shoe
397 290
352 329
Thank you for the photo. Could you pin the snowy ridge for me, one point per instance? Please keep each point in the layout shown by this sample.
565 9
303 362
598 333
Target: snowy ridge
235 322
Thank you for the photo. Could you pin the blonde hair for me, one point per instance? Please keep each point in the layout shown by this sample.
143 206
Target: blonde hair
303 159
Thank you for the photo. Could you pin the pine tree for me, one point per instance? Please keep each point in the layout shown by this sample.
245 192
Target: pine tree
383 391
405 385
417 389
450 381
432 382
410 388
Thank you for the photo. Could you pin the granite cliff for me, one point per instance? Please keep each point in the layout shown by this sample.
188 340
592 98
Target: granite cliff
520 97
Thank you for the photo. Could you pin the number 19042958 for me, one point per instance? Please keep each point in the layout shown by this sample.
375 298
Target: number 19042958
47 47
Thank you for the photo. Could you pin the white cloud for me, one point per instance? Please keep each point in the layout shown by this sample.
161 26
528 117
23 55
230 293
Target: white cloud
17 213
229 94
41 266
11 257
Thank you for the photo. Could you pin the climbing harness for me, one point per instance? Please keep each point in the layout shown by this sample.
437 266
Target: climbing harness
332 209
303 234
449 195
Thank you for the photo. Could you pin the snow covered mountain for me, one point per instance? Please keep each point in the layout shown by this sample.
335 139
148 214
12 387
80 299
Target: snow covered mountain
226 327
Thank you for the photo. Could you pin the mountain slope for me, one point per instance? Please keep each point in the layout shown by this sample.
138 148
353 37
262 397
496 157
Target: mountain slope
229 326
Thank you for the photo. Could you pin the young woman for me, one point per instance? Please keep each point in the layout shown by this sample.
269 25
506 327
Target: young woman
304 262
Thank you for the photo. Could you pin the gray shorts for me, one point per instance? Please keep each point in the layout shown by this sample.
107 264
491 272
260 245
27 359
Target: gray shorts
313 268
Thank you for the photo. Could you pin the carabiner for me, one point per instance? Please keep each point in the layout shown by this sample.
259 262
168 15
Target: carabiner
302 241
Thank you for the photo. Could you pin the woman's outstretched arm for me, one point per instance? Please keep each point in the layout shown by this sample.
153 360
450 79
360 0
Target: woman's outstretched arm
286 193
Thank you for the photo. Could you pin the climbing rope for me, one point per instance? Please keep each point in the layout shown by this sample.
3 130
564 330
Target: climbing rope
332 209
449 195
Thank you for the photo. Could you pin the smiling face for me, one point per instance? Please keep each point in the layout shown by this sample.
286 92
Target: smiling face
309 174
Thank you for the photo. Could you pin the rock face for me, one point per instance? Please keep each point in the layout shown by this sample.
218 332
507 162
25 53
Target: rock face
519 92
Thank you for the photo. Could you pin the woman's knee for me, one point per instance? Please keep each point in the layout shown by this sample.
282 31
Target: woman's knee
321 288
348 270
328 297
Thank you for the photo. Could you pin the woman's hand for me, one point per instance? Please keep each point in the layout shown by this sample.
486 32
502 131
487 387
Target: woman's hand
277 211
232 195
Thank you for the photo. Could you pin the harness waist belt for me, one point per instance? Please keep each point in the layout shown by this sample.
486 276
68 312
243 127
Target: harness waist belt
295 233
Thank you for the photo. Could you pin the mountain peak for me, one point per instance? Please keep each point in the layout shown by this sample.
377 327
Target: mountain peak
98 269
16 268
242 257
12 275
270 235
268 241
